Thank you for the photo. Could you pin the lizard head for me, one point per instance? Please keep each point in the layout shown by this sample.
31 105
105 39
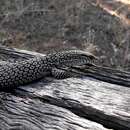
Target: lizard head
71 58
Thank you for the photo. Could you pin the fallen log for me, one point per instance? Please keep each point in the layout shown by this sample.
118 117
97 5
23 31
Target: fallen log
70 99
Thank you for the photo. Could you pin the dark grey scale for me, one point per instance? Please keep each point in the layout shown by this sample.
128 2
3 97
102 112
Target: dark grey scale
61 74
90 62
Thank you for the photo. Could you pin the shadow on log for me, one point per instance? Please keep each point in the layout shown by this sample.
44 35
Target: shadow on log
74 103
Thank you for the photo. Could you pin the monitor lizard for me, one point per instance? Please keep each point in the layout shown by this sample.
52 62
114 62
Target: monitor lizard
27 71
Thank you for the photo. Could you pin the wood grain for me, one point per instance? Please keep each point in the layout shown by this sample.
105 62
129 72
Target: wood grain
73 103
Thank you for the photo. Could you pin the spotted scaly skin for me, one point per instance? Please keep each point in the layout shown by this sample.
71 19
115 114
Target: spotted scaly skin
23 72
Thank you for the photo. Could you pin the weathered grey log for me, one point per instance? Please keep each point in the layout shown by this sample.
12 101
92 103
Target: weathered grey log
99 101
18 113
106 74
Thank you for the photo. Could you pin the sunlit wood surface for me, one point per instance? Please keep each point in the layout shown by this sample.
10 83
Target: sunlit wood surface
75 103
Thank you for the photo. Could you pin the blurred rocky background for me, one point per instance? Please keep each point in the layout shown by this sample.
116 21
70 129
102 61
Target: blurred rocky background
99 26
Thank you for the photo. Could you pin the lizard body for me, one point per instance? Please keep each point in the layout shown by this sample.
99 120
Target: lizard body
23 72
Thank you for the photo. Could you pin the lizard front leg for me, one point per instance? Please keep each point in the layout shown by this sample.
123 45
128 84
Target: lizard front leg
62 74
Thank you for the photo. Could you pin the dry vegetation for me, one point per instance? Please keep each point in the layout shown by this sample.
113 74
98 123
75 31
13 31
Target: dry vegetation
99 26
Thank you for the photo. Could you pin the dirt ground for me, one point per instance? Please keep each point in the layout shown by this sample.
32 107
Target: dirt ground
99 26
